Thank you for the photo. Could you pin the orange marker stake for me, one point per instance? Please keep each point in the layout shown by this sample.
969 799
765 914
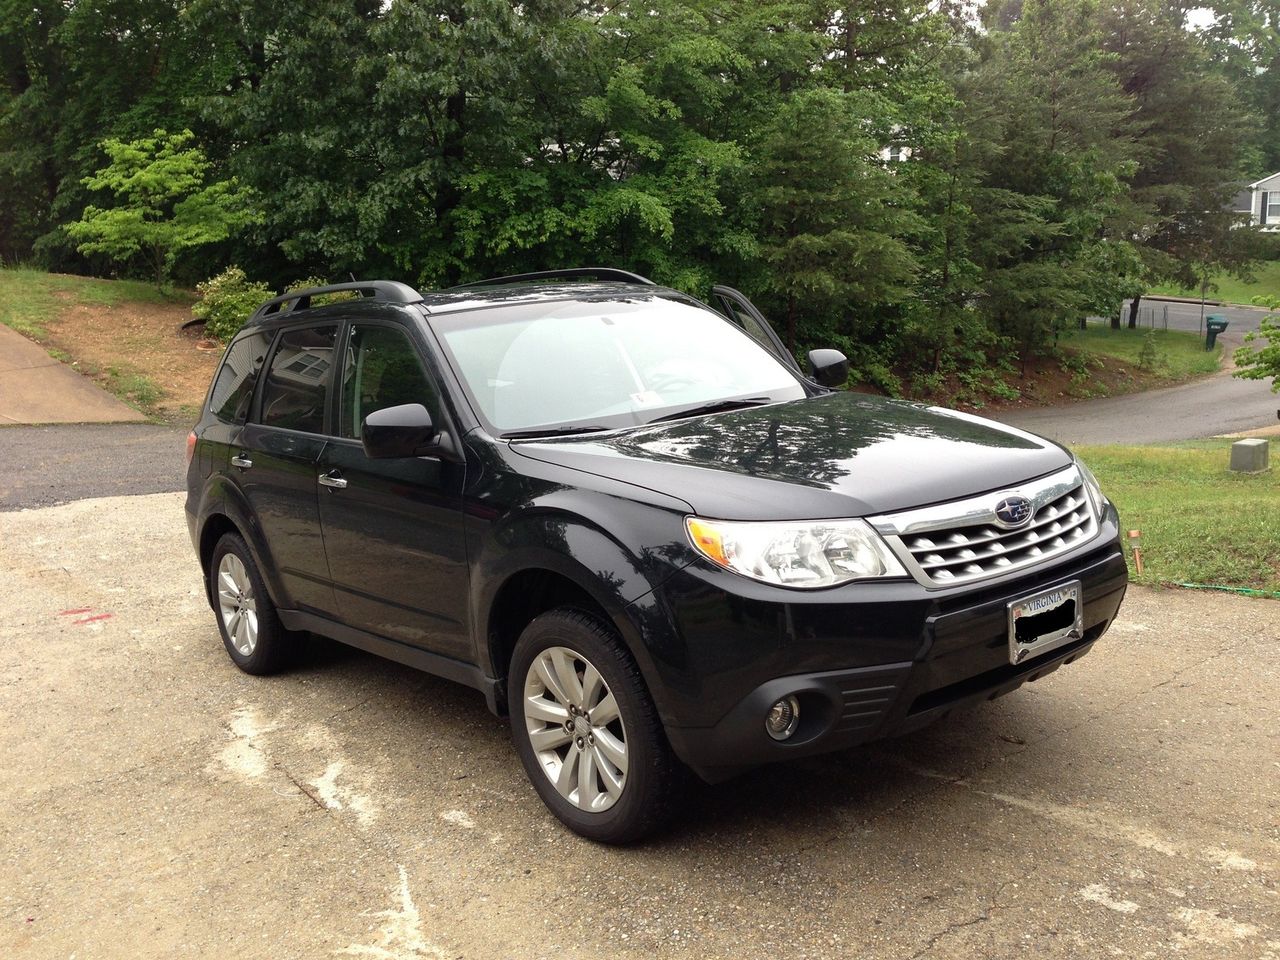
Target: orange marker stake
1135 544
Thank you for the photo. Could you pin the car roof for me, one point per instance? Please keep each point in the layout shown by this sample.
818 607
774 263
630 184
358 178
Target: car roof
486 297
460 299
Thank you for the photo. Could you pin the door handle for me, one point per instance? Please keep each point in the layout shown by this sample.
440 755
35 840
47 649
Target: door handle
332 479
241 461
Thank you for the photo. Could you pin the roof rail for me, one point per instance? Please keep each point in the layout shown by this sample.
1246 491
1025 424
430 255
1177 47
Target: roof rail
573 273
387 290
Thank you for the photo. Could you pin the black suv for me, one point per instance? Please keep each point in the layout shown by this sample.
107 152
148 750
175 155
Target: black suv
635 524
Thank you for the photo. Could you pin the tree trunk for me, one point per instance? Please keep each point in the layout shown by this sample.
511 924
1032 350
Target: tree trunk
1133 312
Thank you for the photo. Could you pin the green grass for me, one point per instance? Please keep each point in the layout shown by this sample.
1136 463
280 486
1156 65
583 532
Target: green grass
1266 283
28 297
135 389
1200 523
1179 355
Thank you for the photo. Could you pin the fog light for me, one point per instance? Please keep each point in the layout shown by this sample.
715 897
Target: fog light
783 718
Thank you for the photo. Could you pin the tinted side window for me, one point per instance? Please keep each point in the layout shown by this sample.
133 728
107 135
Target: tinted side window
297 385
382 370
233 388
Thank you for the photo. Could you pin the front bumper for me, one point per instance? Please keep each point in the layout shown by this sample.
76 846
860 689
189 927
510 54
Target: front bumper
952 652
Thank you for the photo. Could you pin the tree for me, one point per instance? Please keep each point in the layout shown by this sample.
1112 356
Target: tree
1191 139
1047 241
831 216
163 203
1258 363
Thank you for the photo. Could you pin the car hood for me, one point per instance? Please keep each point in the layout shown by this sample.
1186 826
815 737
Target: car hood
835 455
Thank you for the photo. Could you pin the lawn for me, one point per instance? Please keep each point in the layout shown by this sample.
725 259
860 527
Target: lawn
1199 522
29 299
1179 355
124 334
1231 290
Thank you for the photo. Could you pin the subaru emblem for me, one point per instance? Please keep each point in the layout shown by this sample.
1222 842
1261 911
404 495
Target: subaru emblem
1013 511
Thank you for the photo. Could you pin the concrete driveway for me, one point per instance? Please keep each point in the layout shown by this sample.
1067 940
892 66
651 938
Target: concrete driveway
154 802
36 388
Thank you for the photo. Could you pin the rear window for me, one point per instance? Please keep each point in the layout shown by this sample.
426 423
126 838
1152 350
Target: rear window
233 387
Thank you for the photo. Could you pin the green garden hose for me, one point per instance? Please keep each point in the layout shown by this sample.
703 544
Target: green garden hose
1247 591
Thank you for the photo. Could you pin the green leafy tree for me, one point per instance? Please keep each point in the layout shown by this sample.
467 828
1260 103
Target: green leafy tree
1056 179
164 203
1191 137
1259 362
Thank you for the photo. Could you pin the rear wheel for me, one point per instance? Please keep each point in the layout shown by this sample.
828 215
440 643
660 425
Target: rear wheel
251 630
587 731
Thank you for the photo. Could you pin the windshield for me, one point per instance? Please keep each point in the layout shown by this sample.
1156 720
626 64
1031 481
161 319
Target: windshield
605 364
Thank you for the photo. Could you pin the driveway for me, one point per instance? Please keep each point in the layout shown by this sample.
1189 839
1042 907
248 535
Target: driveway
56 464
35 388
156 802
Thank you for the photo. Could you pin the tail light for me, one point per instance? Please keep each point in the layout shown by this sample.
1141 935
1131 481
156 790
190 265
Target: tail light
191 446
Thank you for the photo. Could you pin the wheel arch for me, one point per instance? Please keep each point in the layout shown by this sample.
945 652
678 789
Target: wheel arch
225 513
552 582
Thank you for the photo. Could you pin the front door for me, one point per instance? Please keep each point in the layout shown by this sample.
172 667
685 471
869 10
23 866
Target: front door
743 313
274 460
393 528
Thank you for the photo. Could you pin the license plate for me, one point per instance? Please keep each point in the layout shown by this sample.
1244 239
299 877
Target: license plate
1045 620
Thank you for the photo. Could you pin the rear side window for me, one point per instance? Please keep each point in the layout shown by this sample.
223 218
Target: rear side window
233 388
297 385
383 370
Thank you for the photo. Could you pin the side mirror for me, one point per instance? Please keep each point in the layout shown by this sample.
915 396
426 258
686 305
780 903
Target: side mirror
402 431
829 367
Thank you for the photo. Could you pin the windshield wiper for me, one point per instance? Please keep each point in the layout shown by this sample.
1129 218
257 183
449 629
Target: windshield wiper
550 432
718 406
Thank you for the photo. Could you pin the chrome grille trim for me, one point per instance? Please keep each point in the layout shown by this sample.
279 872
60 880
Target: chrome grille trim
963 541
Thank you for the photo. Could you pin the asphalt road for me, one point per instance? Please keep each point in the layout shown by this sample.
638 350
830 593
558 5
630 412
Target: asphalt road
1206 408
155 802
57 464
1186 316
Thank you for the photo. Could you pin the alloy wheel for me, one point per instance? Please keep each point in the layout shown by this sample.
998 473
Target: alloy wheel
237 605
575 729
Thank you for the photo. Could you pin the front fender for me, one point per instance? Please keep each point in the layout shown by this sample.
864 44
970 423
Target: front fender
576 545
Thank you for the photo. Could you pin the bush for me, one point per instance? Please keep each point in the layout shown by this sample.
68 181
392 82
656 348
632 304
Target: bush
226 301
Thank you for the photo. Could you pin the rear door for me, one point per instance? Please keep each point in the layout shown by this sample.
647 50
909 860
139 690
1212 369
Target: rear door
275 458
742 312
393 528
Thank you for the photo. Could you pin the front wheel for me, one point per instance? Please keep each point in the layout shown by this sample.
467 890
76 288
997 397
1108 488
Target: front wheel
587 731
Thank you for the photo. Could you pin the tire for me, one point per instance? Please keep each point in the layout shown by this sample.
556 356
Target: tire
256 640
622 801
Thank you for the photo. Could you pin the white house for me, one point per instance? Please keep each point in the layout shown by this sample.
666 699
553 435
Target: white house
1261 201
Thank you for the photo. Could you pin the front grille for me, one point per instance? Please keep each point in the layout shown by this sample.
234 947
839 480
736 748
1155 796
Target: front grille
963 542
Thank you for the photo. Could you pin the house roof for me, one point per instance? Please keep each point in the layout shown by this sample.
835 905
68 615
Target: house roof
1258 183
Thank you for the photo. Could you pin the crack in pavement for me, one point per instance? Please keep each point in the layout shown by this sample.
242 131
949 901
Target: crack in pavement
993 904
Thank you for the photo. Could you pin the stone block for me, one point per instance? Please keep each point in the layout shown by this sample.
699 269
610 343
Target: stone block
1250 456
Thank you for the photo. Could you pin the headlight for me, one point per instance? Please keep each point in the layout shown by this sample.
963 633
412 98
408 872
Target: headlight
804 553
1096 496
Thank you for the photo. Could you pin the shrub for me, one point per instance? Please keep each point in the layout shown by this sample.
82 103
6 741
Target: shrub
1148 356
226 301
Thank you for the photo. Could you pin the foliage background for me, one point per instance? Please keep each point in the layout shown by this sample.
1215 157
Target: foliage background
1063 154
